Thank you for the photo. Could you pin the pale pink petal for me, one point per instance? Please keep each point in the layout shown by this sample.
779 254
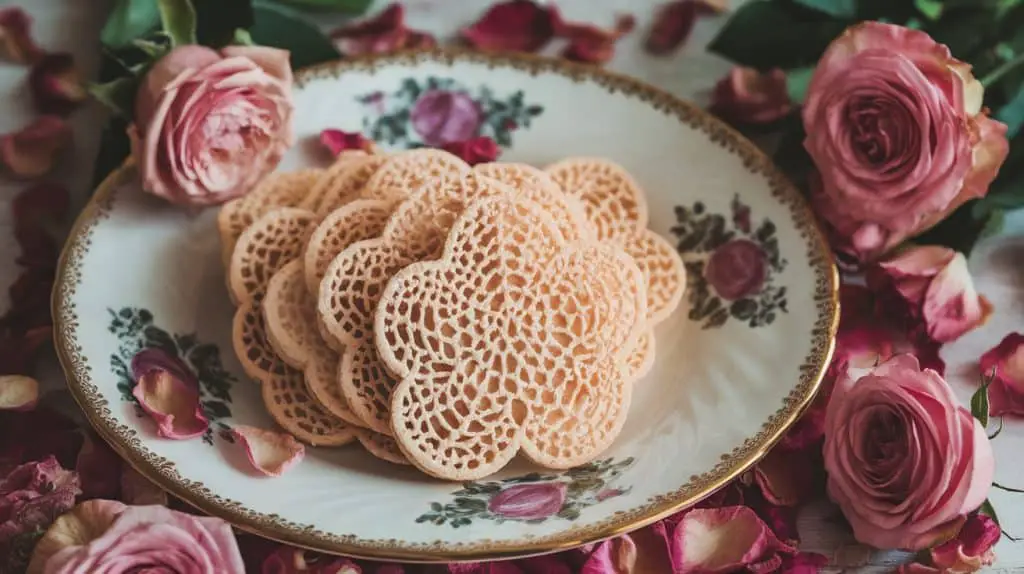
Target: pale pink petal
274 61
615 556
172 404
33 150
912 270
271 453
952 307
18 393
710 540
989 154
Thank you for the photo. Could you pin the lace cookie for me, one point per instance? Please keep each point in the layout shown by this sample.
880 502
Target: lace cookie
513 340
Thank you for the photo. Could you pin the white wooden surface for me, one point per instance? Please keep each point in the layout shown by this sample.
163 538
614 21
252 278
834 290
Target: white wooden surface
998 265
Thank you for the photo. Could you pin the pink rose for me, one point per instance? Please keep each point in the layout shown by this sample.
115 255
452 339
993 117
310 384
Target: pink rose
1005 363
933 286
209 125
107 536
747 96
737 269
441 117
529 501
905 462
896 128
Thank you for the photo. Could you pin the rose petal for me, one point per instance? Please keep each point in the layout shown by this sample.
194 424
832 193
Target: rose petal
99 469
290 560
172 404
384 33
337 141
724 540
673 23
951 305
590 44
787 477
56 85
18 393
83 524
615 556
474 151
516 25
271 453
16 36
1005 362
748 96
33 150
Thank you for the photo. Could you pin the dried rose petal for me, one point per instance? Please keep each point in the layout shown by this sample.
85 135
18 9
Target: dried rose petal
337 141
18 393
516 25
16 36
32 496
673 23
384 33
98 468
139 490
476 150
615 556
1005 362
726 540
271 453
172 404
590 44
787 477
291 560
56 85
33 150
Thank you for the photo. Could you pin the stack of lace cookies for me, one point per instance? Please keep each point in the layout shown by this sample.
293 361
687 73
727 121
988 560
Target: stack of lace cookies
449 316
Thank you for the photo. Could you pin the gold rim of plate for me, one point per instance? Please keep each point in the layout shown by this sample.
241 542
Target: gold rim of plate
127 442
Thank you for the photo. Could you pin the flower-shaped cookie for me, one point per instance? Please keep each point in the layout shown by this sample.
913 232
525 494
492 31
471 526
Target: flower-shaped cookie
513 340
415 232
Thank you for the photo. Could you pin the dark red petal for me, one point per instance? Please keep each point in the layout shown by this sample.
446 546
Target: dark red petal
673 24
55 84
381 34
516 25
480 149
337 141
16 36
591 44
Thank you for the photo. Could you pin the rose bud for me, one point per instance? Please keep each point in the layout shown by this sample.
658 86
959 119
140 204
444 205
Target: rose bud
33 150
55 84
210 125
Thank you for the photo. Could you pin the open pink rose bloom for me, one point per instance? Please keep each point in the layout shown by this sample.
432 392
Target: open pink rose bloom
208 125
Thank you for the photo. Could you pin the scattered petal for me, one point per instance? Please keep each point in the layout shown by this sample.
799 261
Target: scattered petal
516 25
481 149
381 34
748 96
972 548
615 556
33 150
291 560
172 404
138 490
673 23
590 44
271 453
16 36
725 540
32 496
1006 362
18 393
337 141
156 359
56 85
99 469
787 478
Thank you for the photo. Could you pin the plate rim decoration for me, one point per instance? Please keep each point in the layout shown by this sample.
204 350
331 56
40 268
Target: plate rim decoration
128 443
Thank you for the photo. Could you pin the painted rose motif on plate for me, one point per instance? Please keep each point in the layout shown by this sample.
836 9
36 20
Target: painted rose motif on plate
439 111
732 264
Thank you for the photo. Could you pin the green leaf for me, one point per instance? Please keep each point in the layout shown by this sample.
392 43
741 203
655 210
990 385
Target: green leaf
217 20
243 38
353 7
931 9
1012 114
179 21
117 95
151 48
835 8
128 20
767 35
797 82
979 402
987 509
283 28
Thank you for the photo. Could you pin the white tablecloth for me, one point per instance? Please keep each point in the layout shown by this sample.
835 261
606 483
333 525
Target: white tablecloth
998 265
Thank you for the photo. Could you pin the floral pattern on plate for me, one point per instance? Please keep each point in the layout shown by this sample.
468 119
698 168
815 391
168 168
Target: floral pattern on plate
732 265
143 345
532 498
437 111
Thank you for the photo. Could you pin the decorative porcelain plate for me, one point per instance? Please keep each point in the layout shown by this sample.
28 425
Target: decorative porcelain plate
736 364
